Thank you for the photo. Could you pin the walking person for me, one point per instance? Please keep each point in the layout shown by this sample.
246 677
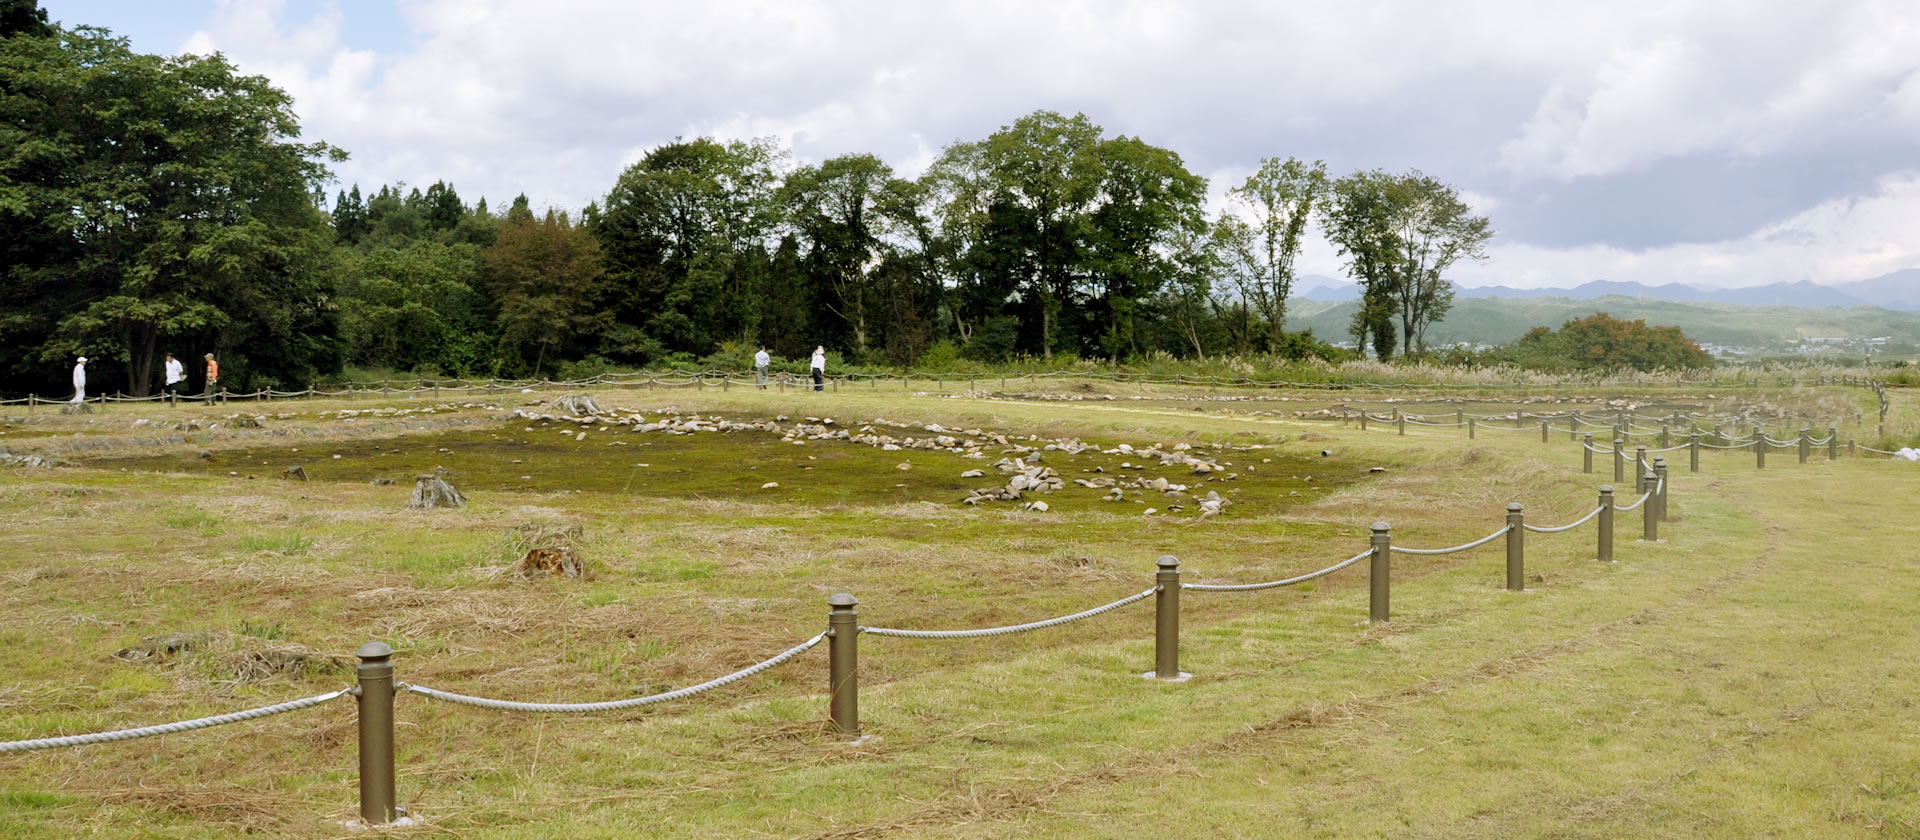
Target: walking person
176 374
213 376
819 368
80 380
760 362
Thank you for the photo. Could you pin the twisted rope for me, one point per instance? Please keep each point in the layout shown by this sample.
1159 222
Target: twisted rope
1575 524
1002 631
169 728
1643 500
1249 587
612 705
1475 544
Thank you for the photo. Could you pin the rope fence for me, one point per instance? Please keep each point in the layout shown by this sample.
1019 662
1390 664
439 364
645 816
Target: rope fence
1455 549
171 728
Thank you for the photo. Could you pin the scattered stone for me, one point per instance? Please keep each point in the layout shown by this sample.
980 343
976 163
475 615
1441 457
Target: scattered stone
580 437
903 466
771 485
294 473
76 408
242 421
382 482
1149 511
1037 506
1376 469
973 474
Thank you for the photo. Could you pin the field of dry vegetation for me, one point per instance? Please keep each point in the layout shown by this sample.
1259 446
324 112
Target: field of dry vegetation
1748 675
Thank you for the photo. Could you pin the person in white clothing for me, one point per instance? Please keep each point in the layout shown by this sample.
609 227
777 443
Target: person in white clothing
760 362
819 368
80 380
176 374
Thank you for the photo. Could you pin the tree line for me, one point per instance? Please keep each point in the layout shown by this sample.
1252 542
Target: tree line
152 204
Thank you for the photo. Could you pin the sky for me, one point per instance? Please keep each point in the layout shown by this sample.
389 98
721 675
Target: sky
1720 144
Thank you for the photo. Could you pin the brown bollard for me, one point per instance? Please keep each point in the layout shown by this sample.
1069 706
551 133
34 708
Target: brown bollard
1606 524
1363 419
1459 416
1381 568
1649 513
1833 444
375 696
1400 420
1586 454
1693 452
843 669
1665 436
1660 486
1806 444
1850 448
1543 431
1470 429
1516 547
1166 619
1619 459
1639 468
1759 449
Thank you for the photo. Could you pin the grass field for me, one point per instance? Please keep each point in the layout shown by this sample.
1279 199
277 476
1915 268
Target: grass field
1750 675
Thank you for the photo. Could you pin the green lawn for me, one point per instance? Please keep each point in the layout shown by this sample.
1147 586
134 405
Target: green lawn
1748 676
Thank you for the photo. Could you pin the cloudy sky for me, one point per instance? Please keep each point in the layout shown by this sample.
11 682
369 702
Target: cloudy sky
1718 143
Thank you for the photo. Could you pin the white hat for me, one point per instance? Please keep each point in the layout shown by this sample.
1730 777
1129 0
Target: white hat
83 360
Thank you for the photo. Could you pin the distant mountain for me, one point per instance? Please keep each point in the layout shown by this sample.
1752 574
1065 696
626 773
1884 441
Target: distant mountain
1899 290
1803 293
1493 320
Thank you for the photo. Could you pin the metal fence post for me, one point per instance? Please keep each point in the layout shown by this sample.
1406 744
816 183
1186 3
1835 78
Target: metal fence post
1649 516
375 696
1516 547
1833 444
1400 420
1665 436
1806 444
1586 454
1606 524
1543 431
1759 449
843 670
1693 451
1382 564
1363 419
1850 450
1640 467
1166 619
1459 416
1619 459
1470 428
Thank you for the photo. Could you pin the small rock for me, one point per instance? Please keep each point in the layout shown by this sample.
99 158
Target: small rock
1149 511
1376 469
770 485
903 466
1038 507
973 474
1326 453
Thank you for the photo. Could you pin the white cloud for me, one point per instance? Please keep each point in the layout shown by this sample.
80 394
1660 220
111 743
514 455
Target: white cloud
1505 98
1835 241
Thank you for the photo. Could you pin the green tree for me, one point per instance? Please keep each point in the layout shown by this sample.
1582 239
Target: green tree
1603 342
1148 204
1277 201
678 230
1359 221
158 199
23 17
836 210
548 279
1045 170
1435 230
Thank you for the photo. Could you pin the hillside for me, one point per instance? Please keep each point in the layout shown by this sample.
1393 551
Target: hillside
1499 320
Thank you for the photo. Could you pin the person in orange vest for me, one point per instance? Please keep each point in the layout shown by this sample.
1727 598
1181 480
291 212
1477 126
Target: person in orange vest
213 375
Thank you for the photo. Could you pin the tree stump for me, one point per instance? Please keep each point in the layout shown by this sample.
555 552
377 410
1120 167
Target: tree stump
432 491
551 552
578 405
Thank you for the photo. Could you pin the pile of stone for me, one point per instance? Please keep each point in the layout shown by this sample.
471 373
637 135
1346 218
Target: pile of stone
1024 478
